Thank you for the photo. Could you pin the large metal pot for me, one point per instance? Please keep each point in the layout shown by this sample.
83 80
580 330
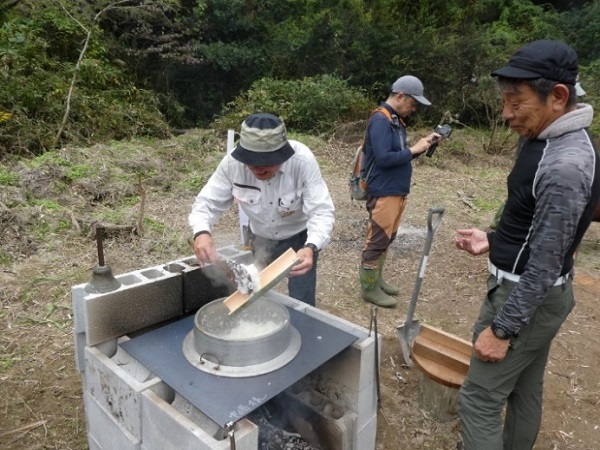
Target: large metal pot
257 339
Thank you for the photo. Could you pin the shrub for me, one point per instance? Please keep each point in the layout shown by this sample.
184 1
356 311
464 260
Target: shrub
590 80
312 105
38 52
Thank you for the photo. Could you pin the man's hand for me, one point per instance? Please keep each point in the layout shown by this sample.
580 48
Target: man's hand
305 255
489 348
424 143
205 250
473 241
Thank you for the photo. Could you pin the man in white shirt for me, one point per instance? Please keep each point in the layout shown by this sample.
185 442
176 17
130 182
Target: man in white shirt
278 184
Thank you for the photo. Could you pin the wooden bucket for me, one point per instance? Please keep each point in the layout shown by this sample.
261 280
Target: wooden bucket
443 360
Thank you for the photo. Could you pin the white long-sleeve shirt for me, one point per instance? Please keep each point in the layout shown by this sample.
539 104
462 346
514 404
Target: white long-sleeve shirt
296 198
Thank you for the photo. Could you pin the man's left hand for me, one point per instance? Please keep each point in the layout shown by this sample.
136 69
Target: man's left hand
423 144
489 348
305 255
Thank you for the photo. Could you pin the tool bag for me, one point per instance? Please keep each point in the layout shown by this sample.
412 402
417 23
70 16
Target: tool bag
359 175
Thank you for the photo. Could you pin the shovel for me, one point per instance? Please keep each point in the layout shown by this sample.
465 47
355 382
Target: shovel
409 330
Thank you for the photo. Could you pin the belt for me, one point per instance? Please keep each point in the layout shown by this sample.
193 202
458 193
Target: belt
503 275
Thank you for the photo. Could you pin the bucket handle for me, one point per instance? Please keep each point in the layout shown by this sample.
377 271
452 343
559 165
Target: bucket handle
217 364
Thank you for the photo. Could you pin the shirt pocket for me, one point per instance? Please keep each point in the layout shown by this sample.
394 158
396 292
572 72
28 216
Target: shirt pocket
288 204
247 198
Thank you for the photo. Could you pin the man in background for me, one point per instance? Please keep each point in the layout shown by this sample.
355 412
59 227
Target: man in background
388 162
553 189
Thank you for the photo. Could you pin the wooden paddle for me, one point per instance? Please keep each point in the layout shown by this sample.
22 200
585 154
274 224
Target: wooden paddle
269 277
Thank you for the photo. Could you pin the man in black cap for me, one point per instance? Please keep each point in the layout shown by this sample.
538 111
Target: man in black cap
553 189
277 183
388 167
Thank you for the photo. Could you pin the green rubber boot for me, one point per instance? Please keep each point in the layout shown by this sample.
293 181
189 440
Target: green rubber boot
371 291
389 289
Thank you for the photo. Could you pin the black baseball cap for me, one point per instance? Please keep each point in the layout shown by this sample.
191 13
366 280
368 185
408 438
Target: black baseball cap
553 60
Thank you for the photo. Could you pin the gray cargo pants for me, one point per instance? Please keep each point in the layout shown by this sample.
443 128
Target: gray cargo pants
517 381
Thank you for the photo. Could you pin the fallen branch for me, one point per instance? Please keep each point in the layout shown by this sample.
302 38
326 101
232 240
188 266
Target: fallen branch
466 200
25 428
115 230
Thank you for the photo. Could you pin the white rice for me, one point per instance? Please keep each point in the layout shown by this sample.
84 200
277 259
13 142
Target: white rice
247 329
243 284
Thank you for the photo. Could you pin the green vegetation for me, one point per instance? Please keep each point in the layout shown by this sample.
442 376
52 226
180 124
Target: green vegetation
313 104
154 225
50 158
41 44
486 204
87 72
7 362
48 205
79 171
195 182
5 259
8 178
65 192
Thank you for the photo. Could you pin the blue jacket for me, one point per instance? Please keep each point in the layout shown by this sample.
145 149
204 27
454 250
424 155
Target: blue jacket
385 144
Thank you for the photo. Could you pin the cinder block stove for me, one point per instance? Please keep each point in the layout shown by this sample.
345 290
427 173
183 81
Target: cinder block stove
141 393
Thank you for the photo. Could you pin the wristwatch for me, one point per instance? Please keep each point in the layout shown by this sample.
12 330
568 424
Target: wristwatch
313 247
500 332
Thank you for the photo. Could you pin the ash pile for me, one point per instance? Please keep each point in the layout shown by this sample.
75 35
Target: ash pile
283 428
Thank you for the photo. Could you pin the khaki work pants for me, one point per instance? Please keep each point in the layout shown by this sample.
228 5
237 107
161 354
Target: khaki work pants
516 382
384 220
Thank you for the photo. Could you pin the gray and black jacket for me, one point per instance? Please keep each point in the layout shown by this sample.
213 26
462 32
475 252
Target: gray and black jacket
553 190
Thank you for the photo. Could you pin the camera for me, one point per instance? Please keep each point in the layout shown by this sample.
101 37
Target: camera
445 131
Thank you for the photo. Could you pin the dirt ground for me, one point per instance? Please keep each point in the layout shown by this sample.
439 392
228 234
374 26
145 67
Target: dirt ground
40 390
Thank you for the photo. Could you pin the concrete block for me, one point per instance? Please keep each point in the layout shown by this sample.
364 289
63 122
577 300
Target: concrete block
289 301
202 285
158 297
334 427
93 444
349 379
104 431
367 435
366 405
232 252
116 382
78 295
130 279
338 322
79 347
176 424
354 367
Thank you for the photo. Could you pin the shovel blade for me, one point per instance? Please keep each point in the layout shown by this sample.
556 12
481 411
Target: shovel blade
406 335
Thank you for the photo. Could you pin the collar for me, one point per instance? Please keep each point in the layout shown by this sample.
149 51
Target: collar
579 118
393 113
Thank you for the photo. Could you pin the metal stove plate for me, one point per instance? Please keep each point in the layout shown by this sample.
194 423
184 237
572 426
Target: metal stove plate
228 399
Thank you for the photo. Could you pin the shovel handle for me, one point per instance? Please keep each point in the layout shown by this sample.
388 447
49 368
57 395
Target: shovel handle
432 225
438 211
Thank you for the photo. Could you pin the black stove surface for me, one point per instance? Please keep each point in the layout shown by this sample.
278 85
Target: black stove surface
226 399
